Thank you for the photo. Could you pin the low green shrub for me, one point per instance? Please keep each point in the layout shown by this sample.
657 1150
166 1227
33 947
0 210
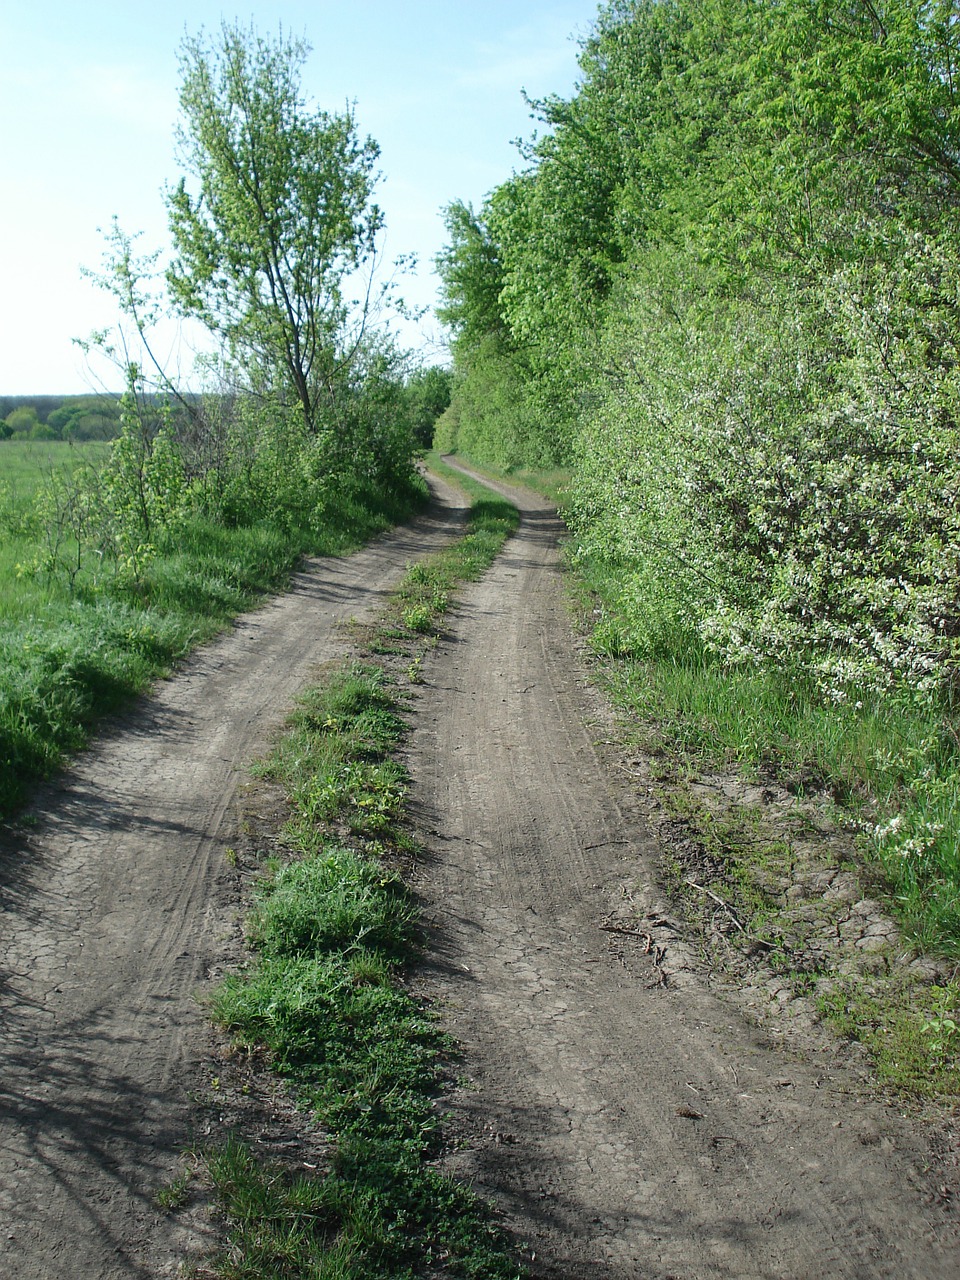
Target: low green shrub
335 901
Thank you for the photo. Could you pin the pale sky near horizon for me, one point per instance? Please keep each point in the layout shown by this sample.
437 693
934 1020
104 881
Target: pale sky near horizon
88 107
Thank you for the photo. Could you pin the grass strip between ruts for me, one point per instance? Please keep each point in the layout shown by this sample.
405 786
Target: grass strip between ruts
333 928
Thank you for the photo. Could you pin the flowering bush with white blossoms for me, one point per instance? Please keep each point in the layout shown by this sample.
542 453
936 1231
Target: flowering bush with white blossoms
773 483
778 479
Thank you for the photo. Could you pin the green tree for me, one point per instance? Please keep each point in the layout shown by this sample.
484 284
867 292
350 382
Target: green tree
61 419
86 418
22 421
279 217
472 277
427 393
490 416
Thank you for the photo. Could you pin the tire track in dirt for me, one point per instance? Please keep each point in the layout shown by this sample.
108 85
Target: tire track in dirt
627 1124
117 905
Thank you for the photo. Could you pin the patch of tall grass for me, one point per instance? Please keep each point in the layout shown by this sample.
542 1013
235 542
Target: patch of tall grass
76 647
335 901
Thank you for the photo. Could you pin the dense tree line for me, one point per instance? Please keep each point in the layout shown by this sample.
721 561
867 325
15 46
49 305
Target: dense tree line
726 289
93 417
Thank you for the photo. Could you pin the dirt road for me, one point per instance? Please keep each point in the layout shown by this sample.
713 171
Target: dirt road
628 1123
116 898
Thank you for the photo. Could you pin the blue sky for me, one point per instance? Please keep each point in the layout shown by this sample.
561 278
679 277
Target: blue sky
88 106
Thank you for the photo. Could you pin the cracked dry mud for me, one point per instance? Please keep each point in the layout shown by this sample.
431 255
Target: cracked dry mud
626 1120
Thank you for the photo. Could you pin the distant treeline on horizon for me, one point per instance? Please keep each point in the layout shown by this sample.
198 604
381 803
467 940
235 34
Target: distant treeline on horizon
48 417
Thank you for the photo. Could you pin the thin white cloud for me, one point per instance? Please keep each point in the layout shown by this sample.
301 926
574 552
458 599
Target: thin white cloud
124 95
525 55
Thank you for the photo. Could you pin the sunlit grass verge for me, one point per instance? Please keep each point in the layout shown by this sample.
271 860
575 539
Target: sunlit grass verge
912 1035
892 766
71 652
333 928
890 771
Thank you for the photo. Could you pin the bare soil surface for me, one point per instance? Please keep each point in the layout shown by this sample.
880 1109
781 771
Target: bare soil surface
627 1120
118 907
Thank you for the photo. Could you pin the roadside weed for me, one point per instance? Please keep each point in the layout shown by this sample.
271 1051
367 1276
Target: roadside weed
335 900
77 642
942 1025
882 771
174 1195
906 1030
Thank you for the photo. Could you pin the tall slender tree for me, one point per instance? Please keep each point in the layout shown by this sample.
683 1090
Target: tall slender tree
274 214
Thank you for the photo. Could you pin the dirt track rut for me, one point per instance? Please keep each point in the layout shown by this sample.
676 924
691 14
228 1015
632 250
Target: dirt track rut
115 901
627 1122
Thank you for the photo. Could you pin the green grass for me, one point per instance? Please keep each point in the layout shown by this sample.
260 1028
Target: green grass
25 464
333 928
890 773
877 762
913 1037
375 1215
333 901
75 647
335 763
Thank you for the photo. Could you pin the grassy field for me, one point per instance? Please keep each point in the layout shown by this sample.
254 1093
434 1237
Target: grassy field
75 648
24 464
